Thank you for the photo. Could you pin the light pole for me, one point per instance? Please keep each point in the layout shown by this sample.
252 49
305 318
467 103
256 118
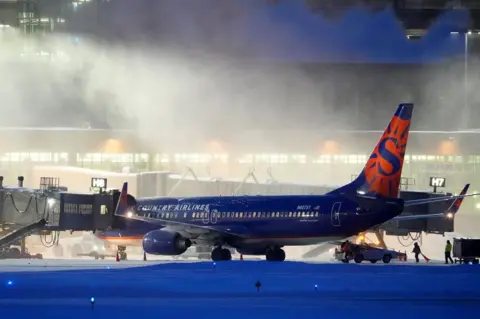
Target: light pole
466 34
465 73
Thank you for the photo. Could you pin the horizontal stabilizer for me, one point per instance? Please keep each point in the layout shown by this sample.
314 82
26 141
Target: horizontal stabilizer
371 202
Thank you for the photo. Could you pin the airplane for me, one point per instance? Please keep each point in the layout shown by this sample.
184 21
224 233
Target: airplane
130 233
263 225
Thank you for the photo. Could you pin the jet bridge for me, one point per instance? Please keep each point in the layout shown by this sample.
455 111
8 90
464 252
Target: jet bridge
49 210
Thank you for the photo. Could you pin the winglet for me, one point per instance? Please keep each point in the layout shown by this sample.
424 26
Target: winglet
449 213
122 205
453 209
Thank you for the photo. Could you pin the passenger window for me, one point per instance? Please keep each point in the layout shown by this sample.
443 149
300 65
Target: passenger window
223 215
316 214
250 215
184 215
241 215
278 214
236 215
290 214
254 214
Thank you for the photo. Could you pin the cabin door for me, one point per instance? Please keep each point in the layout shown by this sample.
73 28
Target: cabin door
214 216
336 214
206 216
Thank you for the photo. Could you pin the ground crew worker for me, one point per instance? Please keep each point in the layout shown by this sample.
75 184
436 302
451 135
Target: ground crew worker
417 251
448 252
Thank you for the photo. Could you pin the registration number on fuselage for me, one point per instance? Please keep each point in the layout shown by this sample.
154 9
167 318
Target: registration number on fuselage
304 207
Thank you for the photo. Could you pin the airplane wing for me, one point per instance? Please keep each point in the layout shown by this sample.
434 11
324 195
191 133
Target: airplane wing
194 230
449 213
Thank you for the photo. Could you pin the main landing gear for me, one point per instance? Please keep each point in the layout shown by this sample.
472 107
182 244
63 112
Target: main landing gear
219 254
276 254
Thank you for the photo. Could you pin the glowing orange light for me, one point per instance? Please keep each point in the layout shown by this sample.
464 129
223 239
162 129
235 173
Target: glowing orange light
330 147
215 146
112 146
447 148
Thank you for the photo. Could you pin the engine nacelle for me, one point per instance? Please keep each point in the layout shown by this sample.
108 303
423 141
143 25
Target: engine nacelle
161 242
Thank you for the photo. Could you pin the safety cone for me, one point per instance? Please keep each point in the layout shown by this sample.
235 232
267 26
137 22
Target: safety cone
118 257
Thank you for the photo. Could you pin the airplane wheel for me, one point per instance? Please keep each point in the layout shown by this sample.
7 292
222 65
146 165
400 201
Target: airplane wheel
281 255
386 259
226 254
217 254
373 261
275 255
123 255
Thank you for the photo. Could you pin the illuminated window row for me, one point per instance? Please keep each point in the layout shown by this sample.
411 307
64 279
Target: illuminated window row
227 215
55 157
34 157
114 158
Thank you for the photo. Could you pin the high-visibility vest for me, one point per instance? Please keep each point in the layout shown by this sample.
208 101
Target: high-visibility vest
448 248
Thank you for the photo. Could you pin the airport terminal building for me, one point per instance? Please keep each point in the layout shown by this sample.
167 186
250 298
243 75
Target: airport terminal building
328 158
321 132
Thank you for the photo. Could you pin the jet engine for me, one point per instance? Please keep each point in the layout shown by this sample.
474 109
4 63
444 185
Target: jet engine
162 242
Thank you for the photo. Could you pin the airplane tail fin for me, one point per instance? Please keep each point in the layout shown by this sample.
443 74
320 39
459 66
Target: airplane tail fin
122 205
382 173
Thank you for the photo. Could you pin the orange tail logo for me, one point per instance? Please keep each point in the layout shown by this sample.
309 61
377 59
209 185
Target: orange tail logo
384 168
